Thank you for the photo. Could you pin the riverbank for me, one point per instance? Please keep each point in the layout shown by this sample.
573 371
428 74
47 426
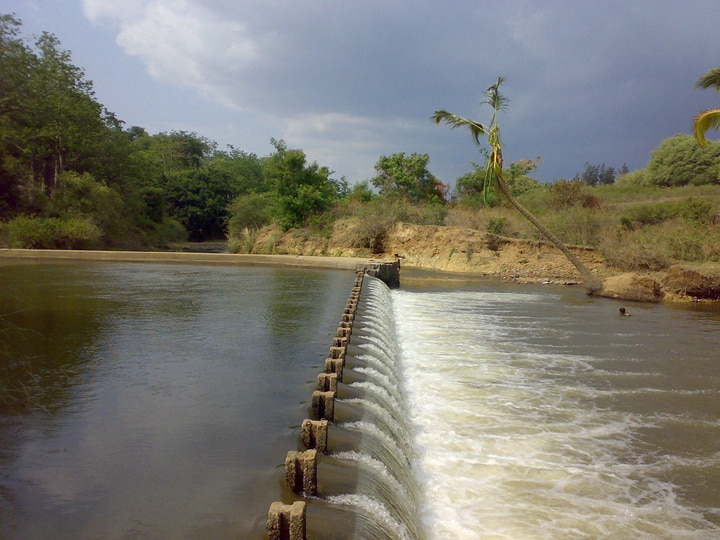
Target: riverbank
470 251
343 263
428 248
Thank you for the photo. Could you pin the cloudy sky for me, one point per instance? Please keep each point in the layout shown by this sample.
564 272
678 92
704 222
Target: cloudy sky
598 81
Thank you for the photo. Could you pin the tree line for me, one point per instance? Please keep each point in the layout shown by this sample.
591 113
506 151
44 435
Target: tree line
72 175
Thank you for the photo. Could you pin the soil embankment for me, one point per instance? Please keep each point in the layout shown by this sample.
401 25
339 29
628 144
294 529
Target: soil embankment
446 249
345 263
469 251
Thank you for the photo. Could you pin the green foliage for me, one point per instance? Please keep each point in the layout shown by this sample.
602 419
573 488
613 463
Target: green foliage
302 190
565 194
577 225
679 161
695 210
497 226
517 176
51 233
51 121
245 169
361 192
407 177
595 175
250 211
634 178
473 191
199 200
243 241
709 119
691 209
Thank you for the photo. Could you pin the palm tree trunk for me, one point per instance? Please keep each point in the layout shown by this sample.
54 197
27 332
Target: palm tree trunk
592 284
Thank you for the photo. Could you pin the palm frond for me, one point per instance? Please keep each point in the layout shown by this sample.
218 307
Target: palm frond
455 121
494 98
711 79
704 121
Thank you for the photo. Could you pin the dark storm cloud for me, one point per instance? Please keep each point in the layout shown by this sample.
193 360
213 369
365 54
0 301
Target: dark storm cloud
587 81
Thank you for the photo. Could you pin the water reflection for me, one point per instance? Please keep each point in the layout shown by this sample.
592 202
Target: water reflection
48 335
173 399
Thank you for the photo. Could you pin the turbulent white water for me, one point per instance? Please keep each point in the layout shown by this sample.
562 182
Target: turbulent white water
532 420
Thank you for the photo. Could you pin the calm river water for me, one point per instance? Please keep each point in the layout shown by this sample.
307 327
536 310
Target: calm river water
159 401
155 401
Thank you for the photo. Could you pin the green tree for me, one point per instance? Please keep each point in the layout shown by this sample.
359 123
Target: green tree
244 168
16 61
472 191
494 169
407 177
517 176
709 119
249 211
302 190
679 161
50 121
595 175
199 200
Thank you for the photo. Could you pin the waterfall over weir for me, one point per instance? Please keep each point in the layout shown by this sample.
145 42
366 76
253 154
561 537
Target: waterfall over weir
352 478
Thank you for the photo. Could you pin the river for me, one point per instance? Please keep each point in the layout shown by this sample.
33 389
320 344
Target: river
160 400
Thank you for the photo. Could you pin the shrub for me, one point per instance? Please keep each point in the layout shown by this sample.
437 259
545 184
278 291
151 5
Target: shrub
576 225
647 214
696 210
633 251
655 247
243 242
52 233
496 226
248 211
634 178
564 194
691 209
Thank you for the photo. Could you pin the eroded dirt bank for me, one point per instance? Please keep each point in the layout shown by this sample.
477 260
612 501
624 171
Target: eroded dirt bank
446 249
469 251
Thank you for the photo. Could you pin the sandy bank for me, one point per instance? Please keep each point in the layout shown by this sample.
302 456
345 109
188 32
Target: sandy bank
302 261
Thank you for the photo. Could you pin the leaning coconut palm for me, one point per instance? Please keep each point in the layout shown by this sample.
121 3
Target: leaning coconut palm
710 118
494 171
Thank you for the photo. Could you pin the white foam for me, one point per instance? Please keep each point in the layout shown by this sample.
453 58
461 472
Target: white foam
511 442
374 509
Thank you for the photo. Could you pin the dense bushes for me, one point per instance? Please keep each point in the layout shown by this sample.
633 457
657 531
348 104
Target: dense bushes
51 233
691 209
680 161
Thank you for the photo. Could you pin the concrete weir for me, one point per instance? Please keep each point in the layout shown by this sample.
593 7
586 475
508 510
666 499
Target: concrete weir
288 521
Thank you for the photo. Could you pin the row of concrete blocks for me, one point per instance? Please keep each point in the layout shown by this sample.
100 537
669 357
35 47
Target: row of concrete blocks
288 521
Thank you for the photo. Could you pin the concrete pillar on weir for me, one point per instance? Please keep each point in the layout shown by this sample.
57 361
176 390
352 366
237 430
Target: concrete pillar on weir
327 382
344 333
315 435
301 472
335 365
287 521
323 405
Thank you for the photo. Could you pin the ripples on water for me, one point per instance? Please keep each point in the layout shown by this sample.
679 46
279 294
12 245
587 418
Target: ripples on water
157 400
546 415
168 395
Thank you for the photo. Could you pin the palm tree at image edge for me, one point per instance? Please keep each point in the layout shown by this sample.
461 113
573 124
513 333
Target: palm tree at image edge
709 119
494 171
